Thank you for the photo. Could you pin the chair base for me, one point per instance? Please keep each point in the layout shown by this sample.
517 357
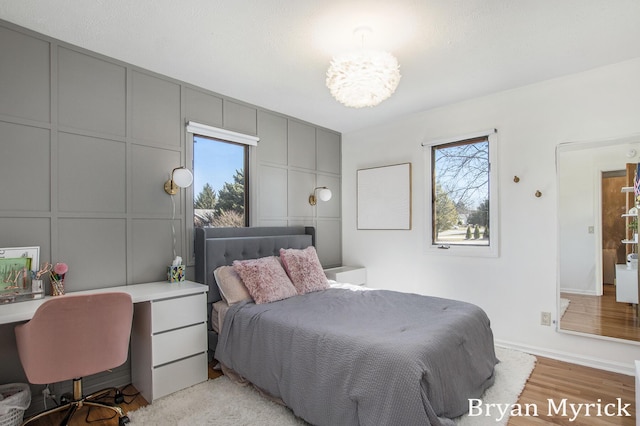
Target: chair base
78 402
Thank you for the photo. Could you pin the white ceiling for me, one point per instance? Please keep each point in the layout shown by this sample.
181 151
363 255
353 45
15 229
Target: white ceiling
275 53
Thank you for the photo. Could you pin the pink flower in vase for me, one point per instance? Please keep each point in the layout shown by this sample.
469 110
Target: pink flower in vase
60 269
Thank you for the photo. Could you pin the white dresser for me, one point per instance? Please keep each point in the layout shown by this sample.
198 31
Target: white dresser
169 344
626 284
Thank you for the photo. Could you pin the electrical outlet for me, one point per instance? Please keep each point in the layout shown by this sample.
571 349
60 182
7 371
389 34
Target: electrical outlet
545 318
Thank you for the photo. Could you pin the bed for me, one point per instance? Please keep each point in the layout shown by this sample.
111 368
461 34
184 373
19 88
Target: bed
342 357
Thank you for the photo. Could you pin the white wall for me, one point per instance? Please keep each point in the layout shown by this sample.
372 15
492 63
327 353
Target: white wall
515 287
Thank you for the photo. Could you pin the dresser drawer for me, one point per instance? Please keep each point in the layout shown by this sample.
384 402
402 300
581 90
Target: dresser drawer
179 312
179 375
179 343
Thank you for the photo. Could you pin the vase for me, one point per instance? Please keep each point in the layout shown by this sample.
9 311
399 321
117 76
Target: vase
57 287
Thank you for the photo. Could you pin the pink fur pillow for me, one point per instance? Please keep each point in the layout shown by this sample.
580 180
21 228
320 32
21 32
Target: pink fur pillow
265 279
304 269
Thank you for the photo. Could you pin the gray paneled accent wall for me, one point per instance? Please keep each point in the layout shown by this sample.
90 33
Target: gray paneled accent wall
86 144
293 158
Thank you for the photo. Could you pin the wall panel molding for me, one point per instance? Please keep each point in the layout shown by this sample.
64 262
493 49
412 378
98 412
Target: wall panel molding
87 142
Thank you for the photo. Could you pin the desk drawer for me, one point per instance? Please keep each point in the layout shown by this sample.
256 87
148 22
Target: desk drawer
179 343
172 377
179 312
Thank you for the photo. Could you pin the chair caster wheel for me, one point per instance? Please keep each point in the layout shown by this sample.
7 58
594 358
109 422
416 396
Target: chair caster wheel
123 421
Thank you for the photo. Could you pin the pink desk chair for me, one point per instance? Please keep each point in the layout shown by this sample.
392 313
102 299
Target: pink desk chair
74 336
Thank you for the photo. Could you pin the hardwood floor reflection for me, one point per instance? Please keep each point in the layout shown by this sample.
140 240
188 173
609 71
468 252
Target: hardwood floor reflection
601 315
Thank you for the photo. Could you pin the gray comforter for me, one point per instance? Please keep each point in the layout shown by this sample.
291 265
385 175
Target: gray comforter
340 357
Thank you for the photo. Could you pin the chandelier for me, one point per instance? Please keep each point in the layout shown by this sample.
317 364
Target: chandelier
363 78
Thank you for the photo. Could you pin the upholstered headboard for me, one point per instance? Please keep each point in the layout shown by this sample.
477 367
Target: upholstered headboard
216 247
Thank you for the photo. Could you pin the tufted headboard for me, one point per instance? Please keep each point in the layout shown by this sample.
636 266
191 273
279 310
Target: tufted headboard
216 247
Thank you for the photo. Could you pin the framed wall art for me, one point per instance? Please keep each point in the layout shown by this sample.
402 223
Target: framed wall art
384 197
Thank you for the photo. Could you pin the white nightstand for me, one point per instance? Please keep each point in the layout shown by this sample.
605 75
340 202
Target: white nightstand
348 274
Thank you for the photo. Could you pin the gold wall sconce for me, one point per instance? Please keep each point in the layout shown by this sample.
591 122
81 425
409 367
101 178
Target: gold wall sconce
181 177
324 194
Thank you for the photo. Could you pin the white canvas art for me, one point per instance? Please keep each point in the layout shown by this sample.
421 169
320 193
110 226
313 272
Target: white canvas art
384 197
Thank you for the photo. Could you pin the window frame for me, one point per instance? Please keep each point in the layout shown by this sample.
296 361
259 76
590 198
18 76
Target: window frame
193 129
245 166
491 250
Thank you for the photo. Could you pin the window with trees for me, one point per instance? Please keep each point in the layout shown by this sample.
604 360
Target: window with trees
220 195
463 195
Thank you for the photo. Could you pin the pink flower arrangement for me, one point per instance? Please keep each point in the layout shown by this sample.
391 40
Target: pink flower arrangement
60 269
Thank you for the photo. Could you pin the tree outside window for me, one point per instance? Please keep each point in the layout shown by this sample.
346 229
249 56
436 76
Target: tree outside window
220 193
460 192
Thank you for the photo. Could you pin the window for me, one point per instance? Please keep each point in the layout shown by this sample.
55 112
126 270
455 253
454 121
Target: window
463 195
220 176
219 183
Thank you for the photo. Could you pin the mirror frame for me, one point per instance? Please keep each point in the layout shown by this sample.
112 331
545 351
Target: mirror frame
625 143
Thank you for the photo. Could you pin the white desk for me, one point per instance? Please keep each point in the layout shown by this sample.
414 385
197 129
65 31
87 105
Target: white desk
168 338
23 311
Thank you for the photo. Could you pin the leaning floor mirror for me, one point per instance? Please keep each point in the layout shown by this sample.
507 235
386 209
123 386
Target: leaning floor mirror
597 234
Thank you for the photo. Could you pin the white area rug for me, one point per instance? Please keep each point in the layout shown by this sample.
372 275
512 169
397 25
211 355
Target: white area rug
511 375
221 402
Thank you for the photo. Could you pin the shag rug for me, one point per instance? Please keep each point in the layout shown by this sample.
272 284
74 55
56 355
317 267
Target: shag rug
221 402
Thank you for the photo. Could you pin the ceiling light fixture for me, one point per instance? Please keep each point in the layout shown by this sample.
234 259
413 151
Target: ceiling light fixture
363 78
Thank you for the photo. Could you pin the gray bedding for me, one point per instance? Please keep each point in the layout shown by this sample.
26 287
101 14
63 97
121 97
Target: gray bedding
340 357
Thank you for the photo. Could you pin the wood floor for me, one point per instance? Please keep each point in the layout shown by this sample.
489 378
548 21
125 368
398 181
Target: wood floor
550 379
556 380
104 417
601 315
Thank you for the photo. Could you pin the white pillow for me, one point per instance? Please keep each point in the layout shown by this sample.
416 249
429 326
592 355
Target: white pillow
231 287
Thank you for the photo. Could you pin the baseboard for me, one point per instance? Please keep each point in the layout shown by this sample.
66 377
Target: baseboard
600 364
579 291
